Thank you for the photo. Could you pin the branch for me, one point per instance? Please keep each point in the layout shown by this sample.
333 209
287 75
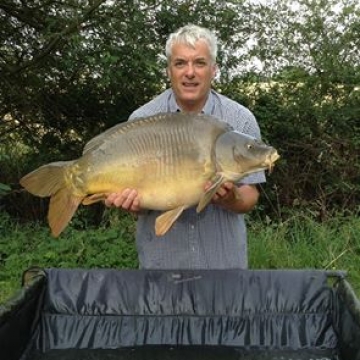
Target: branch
23 14
48 48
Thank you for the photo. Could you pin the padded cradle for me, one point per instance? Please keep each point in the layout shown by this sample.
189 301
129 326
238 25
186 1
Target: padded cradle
235 312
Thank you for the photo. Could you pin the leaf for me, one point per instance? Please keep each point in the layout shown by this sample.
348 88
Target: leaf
4 189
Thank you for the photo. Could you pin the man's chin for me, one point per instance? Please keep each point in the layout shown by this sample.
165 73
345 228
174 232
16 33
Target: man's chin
190 96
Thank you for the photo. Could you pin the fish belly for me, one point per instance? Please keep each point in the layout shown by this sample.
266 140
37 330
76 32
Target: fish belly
171 194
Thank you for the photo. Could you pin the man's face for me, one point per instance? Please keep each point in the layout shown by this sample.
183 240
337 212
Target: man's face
191 71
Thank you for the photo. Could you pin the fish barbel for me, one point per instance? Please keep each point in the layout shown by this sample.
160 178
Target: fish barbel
168 158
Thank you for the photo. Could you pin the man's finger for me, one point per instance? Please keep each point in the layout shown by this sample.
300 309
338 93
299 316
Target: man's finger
127 198
109 201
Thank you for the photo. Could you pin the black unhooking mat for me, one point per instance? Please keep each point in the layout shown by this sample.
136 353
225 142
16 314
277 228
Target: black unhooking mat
63 314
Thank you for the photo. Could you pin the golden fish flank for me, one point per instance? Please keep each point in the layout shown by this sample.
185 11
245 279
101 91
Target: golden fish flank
167 157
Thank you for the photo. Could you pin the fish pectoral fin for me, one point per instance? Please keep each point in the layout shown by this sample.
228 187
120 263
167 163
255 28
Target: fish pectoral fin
94 198
209 193
237 195
164 222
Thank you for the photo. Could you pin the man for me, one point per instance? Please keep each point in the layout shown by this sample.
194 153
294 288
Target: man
216 237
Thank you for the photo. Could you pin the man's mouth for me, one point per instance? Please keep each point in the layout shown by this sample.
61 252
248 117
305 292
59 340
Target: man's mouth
190 85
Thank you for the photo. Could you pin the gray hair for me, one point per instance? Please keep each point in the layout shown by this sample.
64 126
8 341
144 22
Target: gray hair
189 35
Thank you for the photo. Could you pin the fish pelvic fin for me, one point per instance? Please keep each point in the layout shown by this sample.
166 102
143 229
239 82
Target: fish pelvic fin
46 180
63 205
166 220
92 199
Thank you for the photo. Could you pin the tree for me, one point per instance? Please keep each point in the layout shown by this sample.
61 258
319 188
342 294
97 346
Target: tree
70 69
309 106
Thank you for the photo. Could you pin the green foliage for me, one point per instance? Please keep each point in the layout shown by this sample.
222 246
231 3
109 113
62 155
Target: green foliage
4 189
299 242
23 246
69 70
314 126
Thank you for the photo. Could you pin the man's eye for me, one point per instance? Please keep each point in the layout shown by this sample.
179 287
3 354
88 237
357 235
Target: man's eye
179 64
200 63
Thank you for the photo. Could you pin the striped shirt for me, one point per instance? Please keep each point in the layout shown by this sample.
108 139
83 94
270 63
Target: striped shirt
213 239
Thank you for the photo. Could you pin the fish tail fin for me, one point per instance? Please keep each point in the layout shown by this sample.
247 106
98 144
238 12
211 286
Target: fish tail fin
50 180
47 179
63 205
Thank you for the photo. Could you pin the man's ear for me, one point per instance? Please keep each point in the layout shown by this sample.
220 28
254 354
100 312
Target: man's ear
214 70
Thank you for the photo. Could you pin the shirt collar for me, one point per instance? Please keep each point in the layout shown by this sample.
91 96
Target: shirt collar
208 108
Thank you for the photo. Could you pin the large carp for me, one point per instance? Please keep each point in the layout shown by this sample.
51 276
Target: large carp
168 158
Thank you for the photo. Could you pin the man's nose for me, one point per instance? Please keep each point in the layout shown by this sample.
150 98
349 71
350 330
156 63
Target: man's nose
190 70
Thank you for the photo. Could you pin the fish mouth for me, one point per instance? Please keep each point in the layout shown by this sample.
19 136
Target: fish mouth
270 160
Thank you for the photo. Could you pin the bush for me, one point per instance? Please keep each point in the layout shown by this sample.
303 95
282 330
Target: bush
315 129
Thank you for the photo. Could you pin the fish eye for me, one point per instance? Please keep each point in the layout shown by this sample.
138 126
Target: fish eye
249 146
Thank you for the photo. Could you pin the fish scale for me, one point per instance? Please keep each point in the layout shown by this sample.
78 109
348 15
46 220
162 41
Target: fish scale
170 143
166 148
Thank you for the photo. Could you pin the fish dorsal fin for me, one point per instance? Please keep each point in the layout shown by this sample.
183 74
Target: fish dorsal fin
121 128
164 222
127 126
101 138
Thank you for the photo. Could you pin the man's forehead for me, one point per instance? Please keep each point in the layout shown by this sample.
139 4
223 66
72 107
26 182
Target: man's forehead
200 49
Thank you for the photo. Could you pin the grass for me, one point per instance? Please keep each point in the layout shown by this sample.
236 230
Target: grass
301 242
297 243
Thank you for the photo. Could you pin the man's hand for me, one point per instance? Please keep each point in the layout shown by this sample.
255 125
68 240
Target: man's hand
239 199
128 200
